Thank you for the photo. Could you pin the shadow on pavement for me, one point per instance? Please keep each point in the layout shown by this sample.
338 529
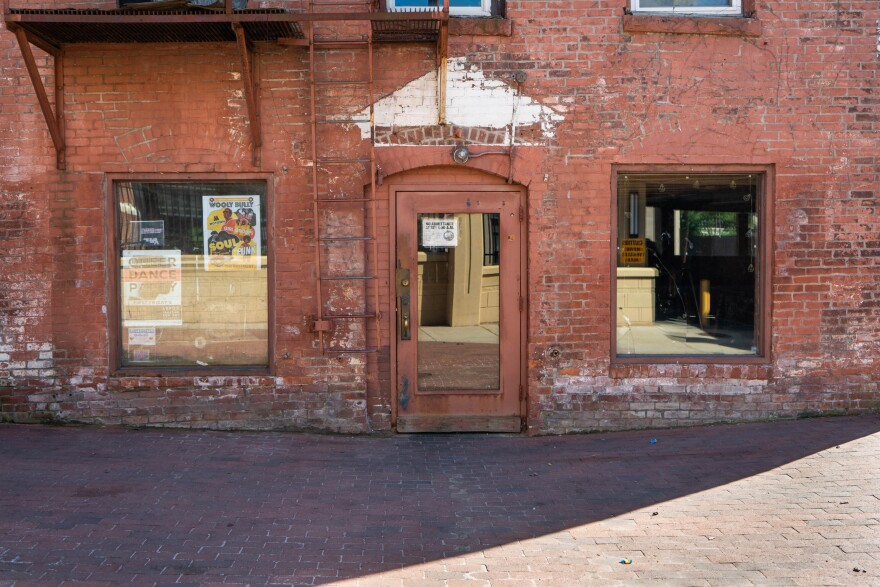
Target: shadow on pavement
112 505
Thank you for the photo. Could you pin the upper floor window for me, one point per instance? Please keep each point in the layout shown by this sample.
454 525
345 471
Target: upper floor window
456 7
689 7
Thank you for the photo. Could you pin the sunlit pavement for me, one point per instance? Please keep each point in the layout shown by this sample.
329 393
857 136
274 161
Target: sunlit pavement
785 503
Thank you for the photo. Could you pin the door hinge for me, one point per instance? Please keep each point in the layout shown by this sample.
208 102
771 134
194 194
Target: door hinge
522 394
522 213
522 303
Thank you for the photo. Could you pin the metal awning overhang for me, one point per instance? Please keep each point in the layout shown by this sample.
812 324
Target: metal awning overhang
53 29
70 26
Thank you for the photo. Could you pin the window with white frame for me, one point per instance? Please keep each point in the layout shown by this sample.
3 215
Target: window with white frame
456 7
689 7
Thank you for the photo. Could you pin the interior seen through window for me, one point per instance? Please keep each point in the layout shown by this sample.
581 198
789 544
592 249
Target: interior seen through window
688 264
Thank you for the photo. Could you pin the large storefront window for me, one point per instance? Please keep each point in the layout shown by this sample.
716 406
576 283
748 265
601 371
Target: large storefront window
688 264
193 274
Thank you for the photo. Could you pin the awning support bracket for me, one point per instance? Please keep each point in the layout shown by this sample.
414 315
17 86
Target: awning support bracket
250 89
54 120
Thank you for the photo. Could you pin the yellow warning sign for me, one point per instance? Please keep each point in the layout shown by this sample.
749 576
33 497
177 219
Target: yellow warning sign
632 251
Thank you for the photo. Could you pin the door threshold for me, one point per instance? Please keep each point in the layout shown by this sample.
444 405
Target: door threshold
445 423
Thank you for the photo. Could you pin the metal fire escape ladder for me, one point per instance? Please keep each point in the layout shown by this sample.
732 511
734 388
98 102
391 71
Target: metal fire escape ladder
344 218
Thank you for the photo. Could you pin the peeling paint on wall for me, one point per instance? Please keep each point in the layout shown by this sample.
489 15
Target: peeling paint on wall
472 100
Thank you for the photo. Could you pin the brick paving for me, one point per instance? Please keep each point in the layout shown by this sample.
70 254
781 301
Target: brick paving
458 365
785 503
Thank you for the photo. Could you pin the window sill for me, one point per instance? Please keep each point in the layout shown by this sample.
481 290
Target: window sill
480 26
754 370
731 26
226 372
666 360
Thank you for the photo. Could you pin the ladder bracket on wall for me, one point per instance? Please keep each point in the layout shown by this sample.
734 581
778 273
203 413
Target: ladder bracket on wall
321 326
250 89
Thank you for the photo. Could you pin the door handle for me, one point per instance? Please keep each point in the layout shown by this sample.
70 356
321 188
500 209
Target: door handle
403 304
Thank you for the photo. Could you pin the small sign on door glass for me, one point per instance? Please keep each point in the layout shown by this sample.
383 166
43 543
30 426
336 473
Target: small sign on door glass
439 232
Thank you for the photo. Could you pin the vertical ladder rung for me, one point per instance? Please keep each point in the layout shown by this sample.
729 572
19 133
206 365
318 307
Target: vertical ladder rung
339 161
345 82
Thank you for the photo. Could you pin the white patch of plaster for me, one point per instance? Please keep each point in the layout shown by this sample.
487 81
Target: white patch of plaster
213 398
40 367
472 100
16 173
209 381
235 99
798 217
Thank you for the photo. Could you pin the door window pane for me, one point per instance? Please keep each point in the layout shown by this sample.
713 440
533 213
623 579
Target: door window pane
458 302
688 264
193 285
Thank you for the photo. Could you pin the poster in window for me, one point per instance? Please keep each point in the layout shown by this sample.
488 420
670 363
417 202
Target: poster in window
232 232
142 336
148 233
151 288
440 232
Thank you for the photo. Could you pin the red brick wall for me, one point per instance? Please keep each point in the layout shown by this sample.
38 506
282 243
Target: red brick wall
800 97
149 109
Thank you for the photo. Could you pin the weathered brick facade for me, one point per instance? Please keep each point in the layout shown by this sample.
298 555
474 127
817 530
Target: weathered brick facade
795 90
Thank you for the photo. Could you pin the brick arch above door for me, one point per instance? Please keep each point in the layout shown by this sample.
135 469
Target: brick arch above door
523 167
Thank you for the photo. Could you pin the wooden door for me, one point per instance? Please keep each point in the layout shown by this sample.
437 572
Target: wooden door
459 308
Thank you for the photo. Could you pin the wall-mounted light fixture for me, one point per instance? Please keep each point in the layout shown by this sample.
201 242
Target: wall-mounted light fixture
462 154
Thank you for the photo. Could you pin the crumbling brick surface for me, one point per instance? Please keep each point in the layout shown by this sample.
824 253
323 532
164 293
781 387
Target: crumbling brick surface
801 98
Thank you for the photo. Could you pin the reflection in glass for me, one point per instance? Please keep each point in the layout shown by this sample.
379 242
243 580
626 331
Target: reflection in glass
458 302
688 264
193 274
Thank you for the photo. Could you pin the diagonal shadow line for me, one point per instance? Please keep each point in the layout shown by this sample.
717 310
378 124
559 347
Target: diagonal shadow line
120 505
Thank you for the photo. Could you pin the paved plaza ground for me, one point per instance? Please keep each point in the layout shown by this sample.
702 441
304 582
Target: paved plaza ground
784 503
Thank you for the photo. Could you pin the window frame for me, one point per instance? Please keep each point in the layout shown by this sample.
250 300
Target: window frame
485 8
113 253
763 354
735 9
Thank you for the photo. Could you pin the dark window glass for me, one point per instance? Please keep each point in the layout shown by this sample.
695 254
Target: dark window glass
688 264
